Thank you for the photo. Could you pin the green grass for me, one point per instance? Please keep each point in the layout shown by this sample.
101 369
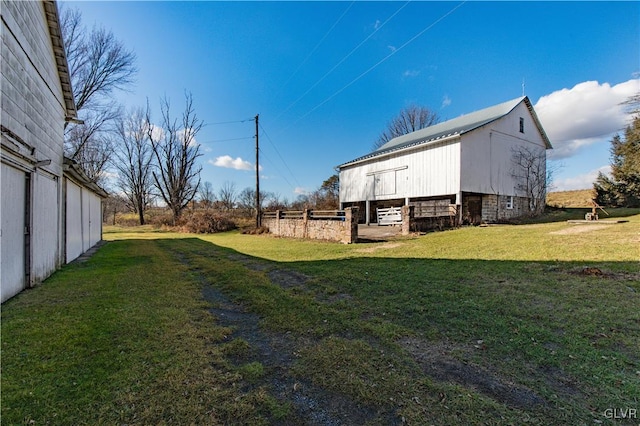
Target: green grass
416 328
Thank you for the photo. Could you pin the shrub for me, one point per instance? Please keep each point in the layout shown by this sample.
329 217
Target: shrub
205 222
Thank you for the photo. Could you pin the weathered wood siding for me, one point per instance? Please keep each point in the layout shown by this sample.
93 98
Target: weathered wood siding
426 171
486 158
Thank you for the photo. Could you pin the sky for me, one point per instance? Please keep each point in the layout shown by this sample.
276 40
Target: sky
326 77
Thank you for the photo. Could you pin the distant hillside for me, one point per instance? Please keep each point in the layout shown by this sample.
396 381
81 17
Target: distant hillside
579 198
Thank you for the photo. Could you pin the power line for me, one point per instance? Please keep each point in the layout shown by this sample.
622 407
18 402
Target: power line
378 63
278 152
318 44
266 157
343 59
228 122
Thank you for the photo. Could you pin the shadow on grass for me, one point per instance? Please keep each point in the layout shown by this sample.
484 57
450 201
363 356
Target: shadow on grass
549 339
385 340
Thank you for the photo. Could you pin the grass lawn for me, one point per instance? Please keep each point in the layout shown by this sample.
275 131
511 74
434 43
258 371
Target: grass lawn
527 324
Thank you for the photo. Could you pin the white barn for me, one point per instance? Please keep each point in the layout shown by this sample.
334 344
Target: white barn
469 160
42 216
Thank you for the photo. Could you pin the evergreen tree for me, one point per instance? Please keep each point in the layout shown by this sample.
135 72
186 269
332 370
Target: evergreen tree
623 188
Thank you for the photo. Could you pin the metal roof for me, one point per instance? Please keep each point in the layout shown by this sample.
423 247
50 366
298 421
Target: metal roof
453 128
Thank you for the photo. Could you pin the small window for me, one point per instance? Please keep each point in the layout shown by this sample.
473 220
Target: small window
509 205
521 125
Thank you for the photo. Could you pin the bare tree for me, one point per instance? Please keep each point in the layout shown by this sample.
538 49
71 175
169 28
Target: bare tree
111 206
134 157
529 169
207 196
98 64
246 200
227 195
91 143
176 151
410 119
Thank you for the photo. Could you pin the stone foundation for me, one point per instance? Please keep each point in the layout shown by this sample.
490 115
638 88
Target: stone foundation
495 208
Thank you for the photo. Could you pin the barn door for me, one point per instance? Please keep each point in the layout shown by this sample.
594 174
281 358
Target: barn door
474 209
14 232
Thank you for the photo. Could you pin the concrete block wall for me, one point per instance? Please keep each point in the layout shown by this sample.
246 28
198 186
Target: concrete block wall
32 99
343 229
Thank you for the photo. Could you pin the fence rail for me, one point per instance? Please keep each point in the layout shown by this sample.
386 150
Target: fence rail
433 208
300 214
390 216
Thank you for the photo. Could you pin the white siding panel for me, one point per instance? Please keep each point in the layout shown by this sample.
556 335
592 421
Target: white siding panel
487 153
432 170
44 232
12 213
95 213
74 221
86 220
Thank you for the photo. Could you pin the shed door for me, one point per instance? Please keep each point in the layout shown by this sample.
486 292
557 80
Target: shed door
13 233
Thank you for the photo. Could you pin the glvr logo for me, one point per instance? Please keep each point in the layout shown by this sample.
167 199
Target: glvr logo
621 413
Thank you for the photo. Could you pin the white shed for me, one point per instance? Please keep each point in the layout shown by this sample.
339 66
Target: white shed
472 161
36 100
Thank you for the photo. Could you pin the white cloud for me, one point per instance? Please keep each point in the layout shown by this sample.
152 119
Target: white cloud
587 113
392 48
583 181
446 101
232 163
411 73
157 132
183 134
377 24
300 191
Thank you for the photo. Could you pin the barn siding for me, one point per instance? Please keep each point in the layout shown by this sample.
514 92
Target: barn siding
433 170
487 153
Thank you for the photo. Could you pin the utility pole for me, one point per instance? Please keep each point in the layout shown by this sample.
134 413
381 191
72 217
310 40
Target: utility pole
258 221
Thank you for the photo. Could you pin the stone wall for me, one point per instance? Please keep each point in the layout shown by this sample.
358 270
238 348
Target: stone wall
497 208
343 228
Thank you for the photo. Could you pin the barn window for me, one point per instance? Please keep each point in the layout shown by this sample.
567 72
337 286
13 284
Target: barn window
509 205
521 125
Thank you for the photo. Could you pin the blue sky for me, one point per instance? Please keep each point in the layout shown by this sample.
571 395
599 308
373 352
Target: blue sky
326 77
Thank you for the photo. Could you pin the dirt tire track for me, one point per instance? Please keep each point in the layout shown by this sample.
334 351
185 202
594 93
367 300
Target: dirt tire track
277 352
